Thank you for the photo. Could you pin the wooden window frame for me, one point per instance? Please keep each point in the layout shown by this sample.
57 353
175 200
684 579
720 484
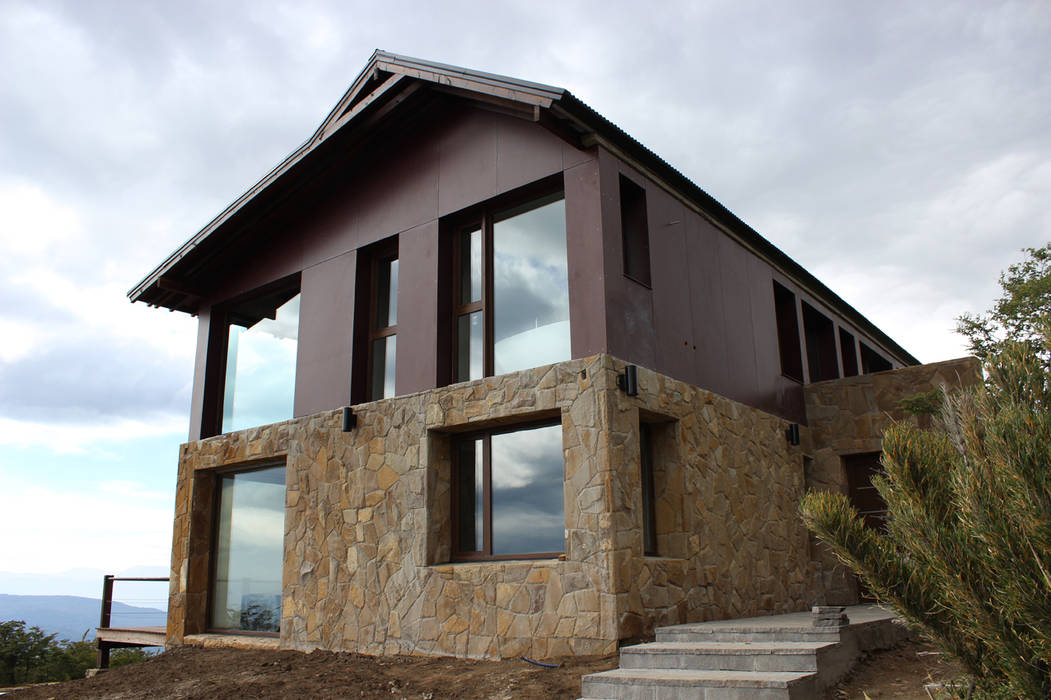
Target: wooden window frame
483 218
217 476
635 232
487 494
385 253
650 546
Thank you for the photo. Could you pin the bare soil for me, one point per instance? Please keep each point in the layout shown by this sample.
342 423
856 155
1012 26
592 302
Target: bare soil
187 673
901 673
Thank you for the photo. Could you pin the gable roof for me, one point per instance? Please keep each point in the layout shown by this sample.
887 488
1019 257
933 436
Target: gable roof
391 80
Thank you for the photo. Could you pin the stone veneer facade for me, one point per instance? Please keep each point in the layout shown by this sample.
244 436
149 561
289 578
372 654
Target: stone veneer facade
848 416
368 529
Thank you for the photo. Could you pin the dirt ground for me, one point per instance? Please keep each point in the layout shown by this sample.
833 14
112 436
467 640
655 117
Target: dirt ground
189 673
899 673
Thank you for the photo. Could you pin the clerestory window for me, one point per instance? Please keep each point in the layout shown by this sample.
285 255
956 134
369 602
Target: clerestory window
510 289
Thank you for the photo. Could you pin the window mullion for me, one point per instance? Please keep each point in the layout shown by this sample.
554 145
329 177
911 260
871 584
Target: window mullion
487 296
487 496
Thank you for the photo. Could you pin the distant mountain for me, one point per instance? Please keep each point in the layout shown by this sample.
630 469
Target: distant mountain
69 617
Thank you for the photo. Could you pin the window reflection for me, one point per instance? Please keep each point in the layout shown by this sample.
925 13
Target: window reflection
246 591
521 475
530 289
260 363
528 505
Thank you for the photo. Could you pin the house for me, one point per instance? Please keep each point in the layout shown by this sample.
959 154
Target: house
479 374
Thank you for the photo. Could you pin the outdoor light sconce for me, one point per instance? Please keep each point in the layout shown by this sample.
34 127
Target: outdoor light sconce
629 381
350 421
792 433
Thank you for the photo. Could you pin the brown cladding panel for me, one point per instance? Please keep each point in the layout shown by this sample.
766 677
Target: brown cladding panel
775 393
416 368
586 257
524 153
672 296
467 160
629 305
323 360
738 322
706 296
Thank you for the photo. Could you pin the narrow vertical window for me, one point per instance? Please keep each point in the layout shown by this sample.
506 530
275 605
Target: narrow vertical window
788 333
635 231
511 290
373 372
649 496
384 327
820 345
849 353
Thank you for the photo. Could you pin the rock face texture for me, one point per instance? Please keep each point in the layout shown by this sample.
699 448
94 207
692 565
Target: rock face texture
848 417
368 560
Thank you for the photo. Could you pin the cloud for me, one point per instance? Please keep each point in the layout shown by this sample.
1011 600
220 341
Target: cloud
51 529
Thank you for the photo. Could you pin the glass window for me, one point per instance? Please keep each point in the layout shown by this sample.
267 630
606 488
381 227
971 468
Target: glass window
261 361
249 549
634 231
788 333
384 328
509 494
512 290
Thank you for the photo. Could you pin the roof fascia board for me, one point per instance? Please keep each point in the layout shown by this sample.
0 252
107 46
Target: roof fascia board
431 70
390 84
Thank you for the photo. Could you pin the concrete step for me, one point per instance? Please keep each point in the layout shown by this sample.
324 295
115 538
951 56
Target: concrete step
706 632
681 684
728 656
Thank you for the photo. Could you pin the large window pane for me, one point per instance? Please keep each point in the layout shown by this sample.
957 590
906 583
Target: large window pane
384 351
469 346
530 288
387 294
261 366
470 492
246 592
528 507
470 266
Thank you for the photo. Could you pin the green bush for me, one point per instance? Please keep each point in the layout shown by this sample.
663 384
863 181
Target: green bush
27 655
967 552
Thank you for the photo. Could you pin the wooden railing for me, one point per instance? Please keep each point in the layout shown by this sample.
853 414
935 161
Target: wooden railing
107 638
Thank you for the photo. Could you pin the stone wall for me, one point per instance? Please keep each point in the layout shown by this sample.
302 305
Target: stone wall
848 416
368 535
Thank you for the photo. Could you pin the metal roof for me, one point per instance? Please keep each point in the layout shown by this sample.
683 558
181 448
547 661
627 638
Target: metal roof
388 79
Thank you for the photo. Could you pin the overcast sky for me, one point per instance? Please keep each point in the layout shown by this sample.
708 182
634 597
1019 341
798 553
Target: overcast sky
901 151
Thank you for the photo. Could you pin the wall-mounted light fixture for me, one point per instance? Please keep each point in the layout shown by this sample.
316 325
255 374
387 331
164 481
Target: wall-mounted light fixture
792 433
350 421
629 381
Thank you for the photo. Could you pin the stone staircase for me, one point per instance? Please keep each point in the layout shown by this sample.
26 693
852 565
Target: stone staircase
782 657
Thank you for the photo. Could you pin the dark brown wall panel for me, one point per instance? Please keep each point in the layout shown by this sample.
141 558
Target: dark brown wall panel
586 257
417 309
629 305
706 309
448 157
672 296
323 360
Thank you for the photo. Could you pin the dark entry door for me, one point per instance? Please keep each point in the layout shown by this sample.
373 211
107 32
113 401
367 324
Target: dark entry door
860 469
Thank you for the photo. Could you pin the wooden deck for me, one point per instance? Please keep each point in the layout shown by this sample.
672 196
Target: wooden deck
131 636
